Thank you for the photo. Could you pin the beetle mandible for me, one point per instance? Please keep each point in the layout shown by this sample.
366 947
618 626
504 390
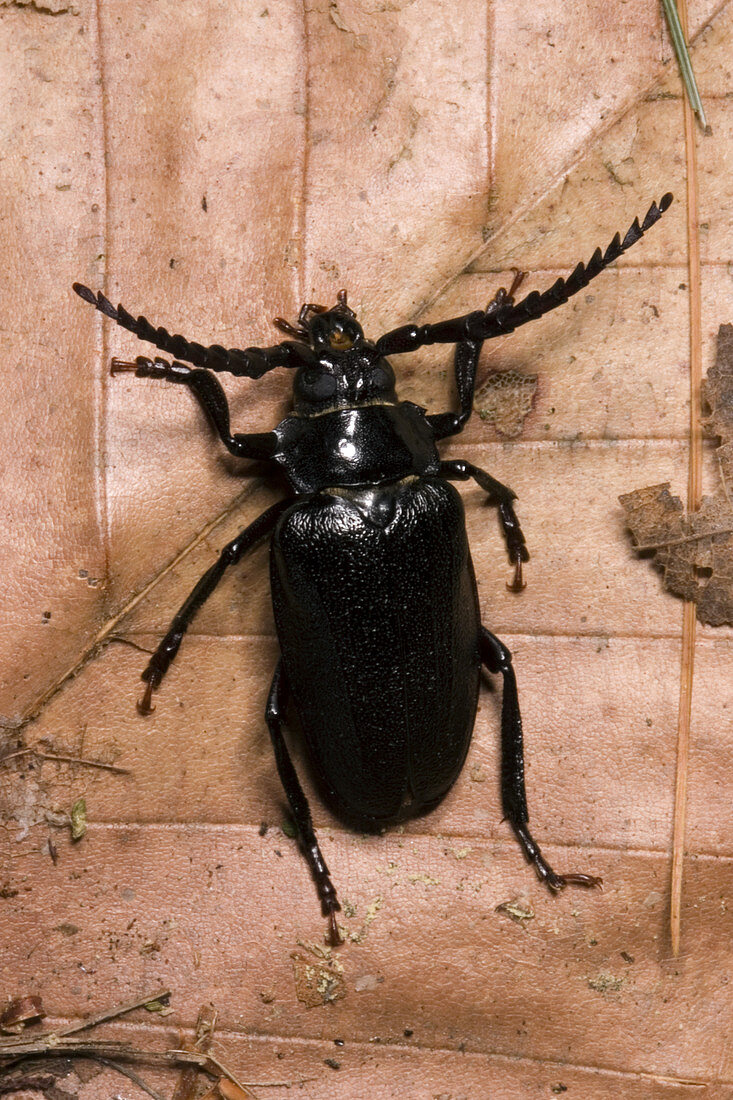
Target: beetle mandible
373 588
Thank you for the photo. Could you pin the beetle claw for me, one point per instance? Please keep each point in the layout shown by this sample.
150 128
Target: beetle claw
517 584
145 705
590 881
334 937
519 277
559 882
117 366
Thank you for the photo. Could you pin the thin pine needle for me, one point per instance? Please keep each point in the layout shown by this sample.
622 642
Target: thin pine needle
679 41
694 493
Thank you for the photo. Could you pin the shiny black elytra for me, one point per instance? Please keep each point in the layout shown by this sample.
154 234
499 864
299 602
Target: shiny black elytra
373 587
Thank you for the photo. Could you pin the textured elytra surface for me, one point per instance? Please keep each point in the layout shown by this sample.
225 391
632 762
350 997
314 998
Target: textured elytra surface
212 165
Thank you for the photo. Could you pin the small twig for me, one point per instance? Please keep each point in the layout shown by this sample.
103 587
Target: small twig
121 640
66 760
12 755
82 760
132 1076
112 1013
50 1038
98 1048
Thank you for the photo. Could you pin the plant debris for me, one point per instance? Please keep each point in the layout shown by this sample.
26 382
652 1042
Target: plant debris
518 909
606 983
63 1043
318 976
505 399
20 1012
78 819
695 550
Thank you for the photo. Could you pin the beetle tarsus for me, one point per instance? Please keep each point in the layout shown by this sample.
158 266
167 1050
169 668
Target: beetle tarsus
545 873
274 715
144 367
557 882
515 542
504 297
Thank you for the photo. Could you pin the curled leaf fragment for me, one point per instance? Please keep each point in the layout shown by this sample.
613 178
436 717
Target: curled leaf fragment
694 550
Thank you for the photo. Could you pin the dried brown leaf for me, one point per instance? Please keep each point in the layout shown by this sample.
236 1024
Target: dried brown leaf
695 550
382 167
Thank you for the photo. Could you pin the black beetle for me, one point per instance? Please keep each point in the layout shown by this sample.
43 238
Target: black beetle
373 587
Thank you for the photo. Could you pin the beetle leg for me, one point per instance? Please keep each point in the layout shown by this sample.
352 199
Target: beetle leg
465 363
497 658
503 498
274 716
230 555
207 390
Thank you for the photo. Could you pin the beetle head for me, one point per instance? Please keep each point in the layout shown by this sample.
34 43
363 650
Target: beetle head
330 330
344 369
